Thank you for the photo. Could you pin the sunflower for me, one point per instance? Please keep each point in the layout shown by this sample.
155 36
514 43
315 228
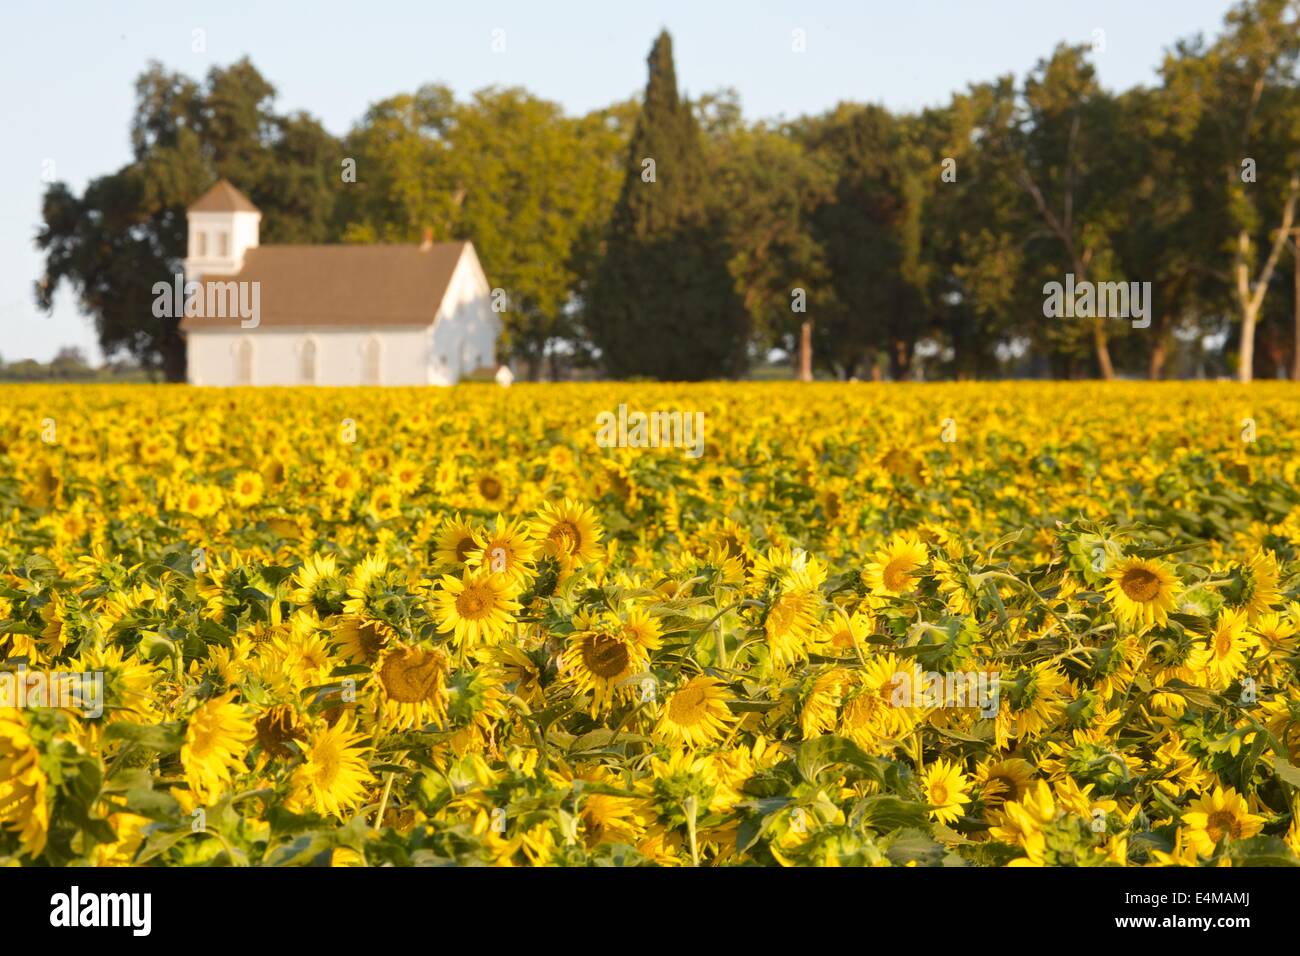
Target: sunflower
560 458
414 685
369 575
201 501
505 549
1277 634
22 784
901 463
521 670
1178 769
476 607
1216 816
319 583
945 788
303 649
568 531
619 480
1035 703
719 565
1003 781
225 667
217 738
1224 655
601 660
821 704
684 778
456 541
385 503
1253 587
893 569
333 777
1021 821
958 587
789 624
873 710
276 727
696 713
788 569
608 818
1180 855
360 641
342 482
406 476
846 633
491 490
375 592
128 682
247 489
638 626
1142 592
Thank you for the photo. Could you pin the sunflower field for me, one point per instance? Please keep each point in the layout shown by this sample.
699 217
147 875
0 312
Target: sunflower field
870 625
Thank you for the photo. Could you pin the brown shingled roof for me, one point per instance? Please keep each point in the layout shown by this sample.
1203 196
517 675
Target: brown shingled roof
223 197
343 285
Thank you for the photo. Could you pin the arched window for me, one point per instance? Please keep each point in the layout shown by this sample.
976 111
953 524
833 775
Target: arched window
371 356
307 356
243 362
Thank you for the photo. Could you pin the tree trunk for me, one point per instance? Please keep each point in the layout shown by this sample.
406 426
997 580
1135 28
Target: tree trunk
1246 352
1295 342
1251 300
1269 357
172 350
900 360
1156 367
1102 346
805 351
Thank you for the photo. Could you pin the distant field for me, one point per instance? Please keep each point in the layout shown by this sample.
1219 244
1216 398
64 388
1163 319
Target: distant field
963 624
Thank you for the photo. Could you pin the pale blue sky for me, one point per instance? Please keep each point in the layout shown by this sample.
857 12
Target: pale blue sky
67 71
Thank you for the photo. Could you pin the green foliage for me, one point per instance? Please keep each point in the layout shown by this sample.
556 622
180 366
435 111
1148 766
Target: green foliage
662 302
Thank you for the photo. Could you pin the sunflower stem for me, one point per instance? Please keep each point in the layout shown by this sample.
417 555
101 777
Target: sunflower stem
383 800
691 806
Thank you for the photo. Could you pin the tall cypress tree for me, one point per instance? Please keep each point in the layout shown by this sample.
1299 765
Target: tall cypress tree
662 303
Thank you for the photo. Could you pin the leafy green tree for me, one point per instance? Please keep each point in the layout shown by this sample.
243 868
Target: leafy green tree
534 181
1062 145
767 185
972 228
1162 240
506 170
1239 116
662 303
869 232
405 181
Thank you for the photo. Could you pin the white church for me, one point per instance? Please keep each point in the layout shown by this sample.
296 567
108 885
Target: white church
328 315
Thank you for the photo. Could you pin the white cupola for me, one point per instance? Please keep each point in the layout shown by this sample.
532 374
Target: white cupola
223 225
